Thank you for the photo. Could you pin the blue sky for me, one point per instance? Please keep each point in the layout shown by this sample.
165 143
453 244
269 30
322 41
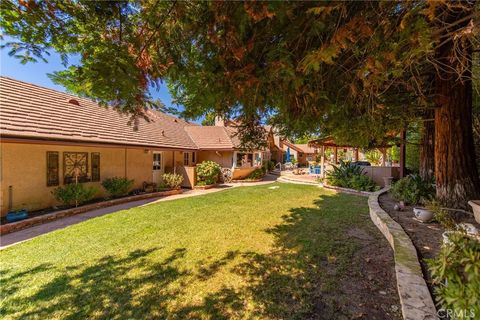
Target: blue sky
37 73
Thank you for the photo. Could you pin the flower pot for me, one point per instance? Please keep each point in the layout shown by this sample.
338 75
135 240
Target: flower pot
475 204
423 214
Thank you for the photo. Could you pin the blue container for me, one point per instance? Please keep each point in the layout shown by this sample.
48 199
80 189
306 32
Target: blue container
13 216
315 170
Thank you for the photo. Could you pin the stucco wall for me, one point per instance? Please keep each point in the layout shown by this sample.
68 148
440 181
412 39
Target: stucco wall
224 158
23 166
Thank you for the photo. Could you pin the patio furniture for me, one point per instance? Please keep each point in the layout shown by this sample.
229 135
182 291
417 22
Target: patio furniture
316 170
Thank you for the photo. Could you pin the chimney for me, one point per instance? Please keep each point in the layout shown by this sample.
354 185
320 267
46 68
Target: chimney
219 122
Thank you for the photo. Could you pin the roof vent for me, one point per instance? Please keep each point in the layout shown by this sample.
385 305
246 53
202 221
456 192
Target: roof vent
163 132
175 120
74 101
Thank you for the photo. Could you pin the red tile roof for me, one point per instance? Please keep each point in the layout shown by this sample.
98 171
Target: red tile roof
211 137
305 148
31 111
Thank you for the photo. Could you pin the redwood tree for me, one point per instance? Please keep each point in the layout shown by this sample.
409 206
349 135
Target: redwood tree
455 168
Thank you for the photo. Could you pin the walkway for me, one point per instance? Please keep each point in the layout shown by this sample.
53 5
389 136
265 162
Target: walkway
32 232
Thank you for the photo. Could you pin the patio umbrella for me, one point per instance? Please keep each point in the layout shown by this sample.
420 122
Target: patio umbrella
288 155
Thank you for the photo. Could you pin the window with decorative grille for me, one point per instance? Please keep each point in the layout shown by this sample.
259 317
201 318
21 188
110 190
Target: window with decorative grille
52 168
186 159
95 166
75 167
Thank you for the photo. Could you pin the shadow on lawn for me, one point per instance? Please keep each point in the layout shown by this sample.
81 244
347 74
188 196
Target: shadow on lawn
290 282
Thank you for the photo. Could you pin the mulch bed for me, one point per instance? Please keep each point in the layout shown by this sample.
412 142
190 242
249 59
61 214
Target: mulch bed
426 237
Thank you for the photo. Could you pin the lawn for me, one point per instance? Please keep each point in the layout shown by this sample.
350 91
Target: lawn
247 252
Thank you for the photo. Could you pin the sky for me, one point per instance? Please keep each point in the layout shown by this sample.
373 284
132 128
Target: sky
36 73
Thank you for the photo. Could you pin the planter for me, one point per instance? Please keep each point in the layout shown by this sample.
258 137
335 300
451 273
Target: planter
205 187
19 225
13 216
475 204
422 214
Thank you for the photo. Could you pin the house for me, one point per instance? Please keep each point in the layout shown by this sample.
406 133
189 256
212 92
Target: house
48 135
302 153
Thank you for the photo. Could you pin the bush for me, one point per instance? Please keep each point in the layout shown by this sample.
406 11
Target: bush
255 174
74 194
268 165
348 175
208 172
172 180
117 186
362 183
413 190
456 275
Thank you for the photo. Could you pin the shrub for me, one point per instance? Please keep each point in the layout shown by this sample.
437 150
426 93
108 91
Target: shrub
441 215
117 186
456 275
349 175
362 183
255 174
268 165
208 171
74 194
172 180
413 190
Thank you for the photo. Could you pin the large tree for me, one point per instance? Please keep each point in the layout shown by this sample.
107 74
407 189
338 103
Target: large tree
359 70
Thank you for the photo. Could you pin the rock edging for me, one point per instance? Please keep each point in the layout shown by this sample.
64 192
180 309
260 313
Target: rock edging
415 299
30 222
348 190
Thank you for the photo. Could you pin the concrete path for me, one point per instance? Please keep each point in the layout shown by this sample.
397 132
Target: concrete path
32 232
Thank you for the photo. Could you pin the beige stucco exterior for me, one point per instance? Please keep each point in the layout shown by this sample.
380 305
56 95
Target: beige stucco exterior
23 166
223 158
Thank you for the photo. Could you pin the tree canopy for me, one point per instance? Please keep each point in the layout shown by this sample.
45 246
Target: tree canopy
359 70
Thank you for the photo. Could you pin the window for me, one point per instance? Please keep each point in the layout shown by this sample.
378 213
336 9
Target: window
53 178
75 167
95 166
193 157
186 159
244 160
157 161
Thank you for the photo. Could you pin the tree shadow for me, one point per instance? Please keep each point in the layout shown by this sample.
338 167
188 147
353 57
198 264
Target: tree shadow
295 280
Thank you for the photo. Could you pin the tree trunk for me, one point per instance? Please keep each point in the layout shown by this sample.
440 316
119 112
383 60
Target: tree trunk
427 148
455 169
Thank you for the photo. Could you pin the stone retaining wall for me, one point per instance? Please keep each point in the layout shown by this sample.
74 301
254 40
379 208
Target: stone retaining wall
415 298
19 225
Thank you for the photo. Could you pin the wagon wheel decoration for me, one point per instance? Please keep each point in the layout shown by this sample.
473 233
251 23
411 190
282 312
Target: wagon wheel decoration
227 175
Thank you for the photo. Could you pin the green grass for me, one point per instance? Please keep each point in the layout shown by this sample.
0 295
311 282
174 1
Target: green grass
248 252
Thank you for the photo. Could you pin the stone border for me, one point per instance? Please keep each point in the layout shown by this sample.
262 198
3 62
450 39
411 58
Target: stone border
22 224
347 190
415 298
205 187
247 180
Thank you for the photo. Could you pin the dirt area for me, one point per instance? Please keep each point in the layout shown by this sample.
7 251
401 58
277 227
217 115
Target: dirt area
374 288
426 237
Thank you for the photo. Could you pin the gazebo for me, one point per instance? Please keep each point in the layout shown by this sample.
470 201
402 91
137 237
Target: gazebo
329 142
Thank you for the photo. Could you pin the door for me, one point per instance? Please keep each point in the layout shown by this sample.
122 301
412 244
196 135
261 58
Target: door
157 166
